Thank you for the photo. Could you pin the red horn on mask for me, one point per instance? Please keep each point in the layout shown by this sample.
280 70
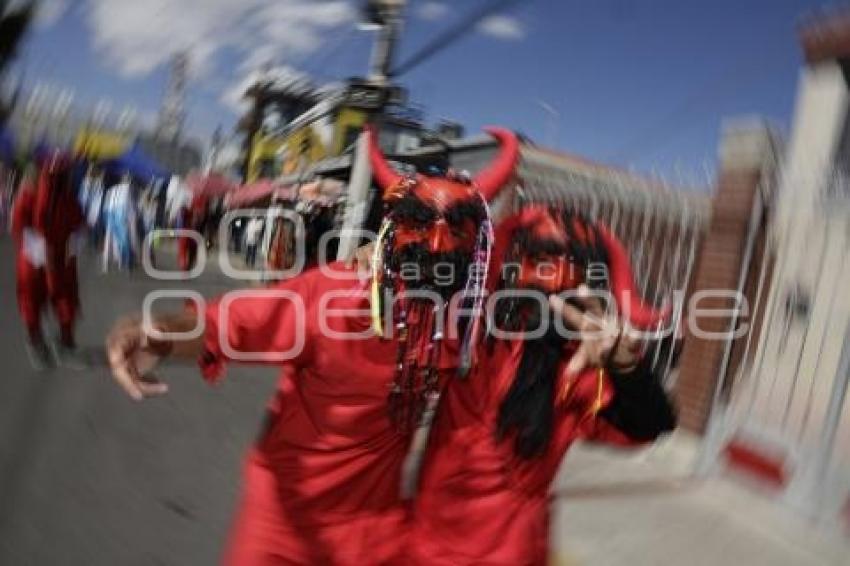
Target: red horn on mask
638 313
489 180
383 172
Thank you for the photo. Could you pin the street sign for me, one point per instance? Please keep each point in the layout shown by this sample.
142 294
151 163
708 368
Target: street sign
374 97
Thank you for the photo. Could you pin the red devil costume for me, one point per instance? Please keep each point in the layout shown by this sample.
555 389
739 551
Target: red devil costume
499 436
322 485
45 222
191 218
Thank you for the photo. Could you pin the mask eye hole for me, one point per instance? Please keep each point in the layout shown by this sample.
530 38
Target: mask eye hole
459 233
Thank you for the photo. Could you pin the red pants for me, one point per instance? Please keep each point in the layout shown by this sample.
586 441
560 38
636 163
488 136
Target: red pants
187 250
36 286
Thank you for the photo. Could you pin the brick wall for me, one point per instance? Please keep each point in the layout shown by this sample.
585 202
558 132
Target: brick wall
718 267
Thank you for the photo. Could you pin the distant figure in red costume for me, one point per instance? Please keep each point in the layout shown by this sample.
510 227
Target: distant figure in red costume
187 248
323 483
499 436
46 223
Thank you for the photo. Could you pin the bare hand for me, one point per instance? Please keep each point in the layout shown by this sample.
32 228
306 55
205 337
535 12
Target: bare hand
604 342
131 357
362 259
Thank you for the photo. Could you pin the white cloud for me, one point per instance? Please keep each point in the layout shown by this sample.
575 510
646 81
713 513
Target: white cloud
498 25
258 57
49 12
431 11
502 27
135 37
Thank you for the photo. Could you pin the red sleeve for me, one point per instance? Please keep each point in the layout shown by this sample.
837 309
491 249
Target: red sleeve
265 325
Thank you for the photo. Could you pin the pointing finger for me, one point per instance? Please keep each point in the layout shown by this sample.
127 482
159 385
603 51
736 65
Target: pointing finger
150 386
122 369
123 374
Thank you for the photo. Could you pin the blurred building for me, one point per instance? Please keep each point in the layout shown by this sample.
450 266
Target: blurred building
273 102
777 402
292 124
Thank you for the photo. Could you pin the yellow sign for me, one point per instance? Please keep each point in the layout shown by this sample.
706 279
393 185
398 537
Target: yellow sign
264 159
273 156
99 144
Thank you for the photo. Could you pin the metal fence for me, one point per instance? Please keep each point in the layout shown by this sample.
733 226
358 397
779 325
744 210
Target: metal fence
786 391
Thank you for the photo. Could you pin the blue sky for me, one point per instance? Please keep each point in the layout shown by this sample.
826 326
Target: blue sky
640 83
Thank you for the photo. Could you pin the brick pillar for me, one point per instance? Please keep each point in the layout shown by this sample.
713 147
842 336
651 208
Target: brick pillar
744 150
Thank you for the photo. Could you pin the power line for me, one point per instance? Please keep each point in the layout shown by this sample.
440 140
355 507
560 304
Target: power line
449 36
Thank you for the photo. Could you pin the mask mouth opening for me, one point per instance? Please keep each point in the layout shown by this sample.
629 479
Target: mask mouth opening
418 268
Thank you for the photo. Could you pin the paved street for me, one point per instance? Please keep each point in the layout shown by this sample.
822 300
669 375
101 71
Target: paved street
88 477
643 508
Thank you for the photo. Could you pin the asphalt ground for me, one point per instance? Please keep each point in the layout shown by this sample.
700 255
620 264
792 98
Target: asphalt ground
89 477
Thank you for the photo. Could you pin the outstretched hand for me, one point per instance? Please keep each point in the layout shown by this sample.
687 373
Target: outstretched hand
132 356
604 340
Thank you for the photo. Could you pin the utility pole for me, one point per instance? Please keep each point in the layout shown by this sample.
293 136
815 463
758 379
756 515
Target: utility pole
386 17
172 113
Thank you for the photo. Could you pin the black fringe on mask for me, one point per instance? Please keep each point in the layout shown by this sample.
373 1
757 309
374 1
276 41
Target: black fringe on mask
417 254
528 408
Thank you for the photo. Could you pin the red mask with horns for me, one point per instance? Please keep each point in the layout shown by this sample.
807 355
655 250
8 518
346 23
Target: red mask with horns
431 223
543 257
439 230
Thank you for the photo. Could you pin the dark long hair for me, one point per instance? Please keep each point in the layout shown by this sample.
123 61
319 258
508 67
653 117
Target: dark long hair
527 411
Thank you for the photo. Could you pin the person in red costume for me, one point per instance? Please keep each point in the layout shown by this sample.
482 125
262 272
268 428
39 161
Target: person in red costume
46 224
499 436
187 248
323 482
31 257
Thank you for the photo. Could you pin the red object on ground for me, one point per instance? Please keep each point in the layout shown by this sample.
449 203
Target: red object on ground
769 468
